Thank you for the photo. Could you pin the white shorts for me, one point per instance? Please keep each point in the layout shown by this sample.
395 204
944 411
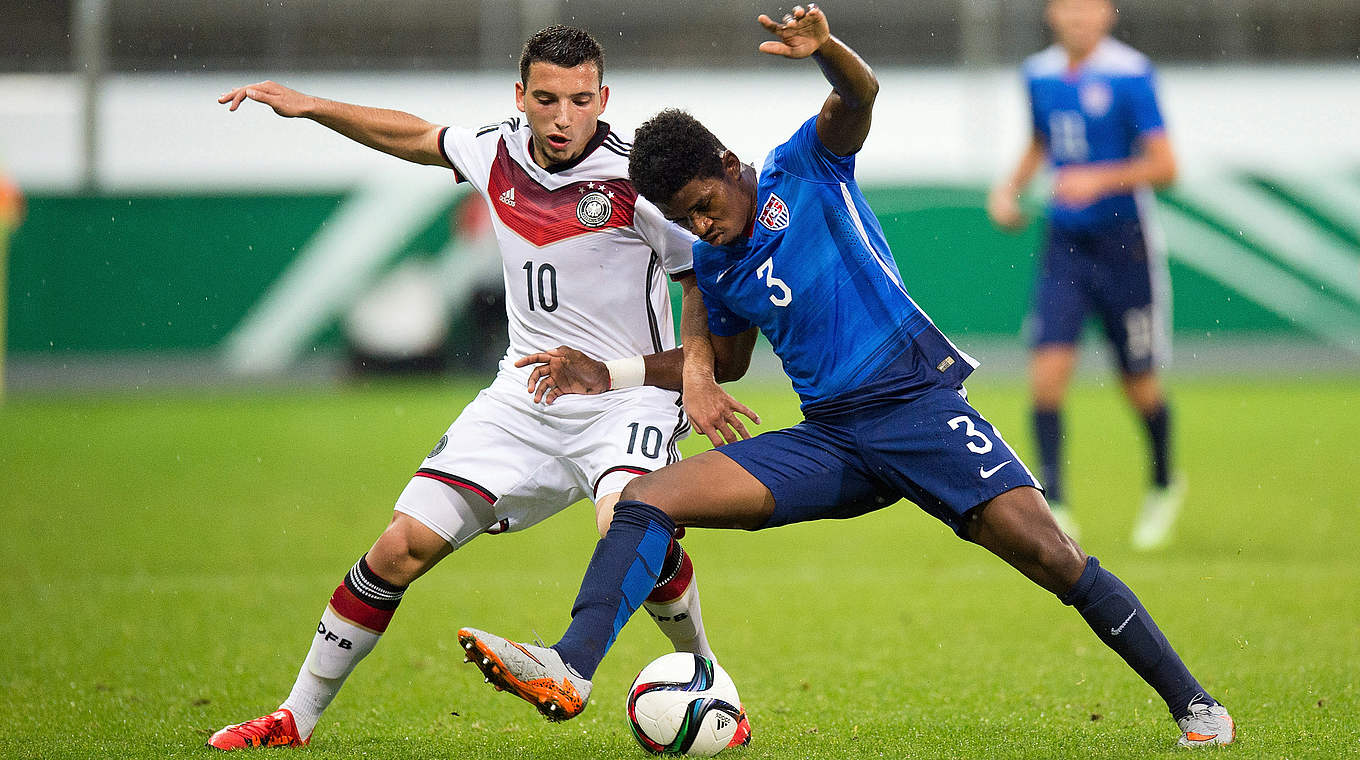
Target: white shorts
507 463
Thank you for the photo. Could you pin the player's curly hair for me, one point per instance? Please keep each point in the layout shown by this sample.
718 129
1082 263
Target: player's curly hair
669 150
561 45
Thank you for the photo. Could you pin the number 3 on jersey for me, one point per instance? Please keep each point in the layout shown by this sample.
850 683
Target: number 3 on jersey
972 432
766 271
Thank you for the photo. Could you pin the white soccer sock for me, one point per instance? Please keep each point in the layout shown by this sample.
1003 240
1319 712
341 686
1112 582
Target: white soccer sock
350 627
309 698
337 648
683 622
674 605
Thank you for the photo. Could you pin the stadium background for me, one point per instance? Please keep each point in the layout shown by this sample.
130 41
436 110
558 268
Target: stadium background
166 234
187 462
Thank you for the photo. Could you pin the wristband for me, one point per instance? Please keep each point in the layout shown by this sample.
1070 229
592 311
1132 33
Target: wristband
626 373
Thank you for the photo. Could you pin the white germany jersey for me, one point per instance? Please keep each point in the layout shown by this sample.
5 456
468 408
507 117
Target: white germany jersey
585 259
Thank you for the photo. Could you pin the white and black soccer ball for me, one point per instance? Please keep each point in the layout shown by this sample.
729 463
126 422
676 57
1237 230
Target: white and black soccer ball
683 704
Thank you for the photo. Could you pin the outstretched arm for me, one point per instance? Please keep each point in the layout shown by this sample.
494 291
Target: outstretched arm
395 132
847 113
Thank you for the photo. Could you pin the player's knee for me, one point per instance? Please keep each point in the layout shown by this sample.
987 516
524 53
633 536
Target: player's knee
1143 390
638 489
651 489
604 513
1060 559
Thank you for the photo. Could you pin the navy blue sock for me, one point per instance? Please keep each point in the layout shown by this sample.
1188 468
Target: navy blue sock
618 580
1048 434
1118 618
1158 425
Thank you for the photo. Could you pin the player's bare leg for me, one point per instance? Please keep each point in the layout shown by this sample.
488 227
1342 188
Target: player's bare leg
1051 368
1018 527
706 491
355 618
1166 492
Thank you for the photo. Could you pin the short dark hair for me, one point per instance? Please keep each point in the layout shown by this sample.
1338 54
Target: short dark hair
561 45
669 150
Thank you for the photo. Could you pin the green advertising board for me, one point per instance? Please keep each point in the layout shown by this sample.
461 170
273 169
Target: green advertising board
180 273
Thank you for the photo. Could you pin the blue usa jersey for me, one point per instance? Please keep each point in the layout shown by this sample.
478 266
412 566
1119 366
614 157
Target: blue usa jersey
1095 113
817 278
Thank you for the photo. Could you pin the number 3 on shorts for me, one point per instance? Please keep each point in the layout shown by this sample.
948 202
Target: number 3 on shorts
972 432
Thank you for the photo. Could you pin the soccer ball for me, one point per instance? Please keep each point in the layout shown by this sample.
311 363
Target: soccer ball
683 704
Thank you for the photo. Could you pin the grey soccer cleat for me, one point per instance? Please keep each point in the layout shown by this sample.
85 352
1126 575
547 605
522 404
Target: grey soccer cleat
533 673
1205 725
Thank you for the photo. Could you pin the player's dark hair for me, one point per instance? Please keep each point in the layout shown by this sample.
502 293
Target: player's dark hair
561 45
669 150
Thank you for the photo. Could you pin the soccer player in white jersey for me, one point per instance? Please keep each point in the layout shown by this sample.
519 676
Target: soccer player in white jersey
585 265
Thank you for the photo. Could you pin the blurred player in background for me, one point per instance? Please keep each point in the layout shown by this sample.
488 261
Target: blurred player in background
1096 120
585 263
795 252
11 213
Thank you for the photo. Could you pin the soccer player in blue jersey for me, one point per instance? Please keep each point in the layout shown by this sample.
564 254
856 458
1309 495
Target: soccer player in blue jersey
1096 120
796 253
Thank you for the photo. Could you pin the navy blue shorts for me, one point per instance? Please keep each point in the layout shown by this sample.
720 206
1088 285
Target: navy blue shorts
1113 274
935 450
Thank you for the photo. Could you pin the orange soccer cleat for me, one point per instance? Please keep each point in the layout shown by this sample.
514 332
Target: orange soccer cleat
535 674
742 737
277 729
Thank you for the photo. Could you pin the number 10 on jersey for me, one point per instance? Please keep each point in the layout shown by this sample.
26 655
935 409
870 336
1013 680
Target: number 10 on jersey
546 292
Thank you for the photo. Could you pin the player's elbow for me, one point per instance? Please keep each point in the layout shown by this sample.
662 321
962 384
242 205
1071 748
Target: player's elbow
732 356
1162 162
863 95
727 369
871 88
1167 174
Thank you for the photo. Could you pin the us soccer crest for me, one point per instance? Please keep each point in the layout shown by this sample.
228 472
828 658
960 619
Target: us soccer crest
594 208
774 215
1096 98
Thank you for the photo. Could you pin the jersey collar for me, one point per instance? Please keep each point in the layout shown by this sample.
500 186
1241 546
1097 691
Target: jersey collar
596 140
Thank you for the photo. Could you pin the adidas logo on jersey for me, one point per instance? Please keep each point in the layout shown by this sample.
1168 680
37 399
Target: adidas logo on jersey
774 215
508 197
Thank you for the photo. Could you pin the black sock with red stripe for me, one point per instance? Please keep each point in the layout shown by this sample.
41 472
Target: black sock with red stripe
369 600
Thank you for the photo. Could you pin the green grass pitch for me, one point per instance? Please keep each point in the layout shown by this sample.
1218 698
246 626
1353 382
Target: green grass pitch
166 556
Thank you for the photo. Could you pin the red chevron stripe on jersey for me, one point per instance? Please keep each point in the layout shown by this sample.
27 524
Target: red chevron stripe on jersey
542 216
